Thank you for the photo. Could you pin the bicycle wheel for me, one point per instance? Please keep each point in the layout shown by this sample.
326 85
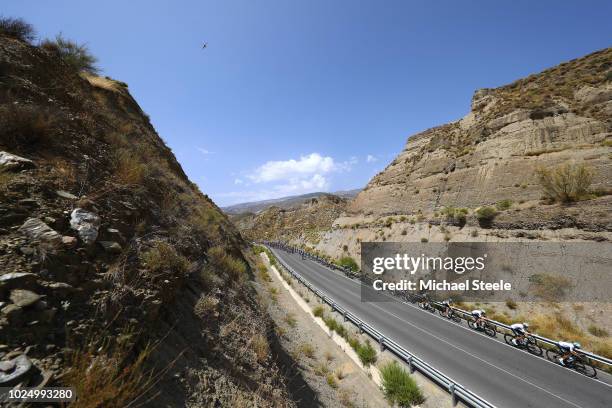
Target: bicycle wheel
455 317
585 368
490 330
553 355
533 347
508 339
472 324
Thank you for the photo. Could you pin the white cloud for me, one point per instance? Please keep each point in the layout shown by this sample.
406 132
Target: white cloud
204 151
306 166
371 159
238 181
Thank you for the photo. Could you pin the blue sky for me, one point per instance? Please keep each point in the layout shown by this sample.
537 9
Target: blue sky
299 96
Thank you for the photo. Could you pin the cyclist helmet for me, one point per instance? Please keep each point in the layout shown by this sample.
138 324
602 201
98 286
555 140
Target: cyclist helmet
576 345
525 324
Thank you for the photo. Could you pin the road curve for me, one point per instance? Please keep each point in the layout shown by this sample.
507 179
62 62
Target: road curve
503 375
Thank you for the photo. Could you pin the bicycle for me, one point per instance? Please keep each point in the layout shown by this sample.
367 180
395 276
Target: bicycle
426 305
484 326
450 314
579 363
528 343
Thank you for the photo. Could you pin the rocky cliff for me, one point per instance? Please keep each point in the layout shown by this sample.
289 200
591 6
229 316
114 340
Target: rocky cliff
559 115
117 275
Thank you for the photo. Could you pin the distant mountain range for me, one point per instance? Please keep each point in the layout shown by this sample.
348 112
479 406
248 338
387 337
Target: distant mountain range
283 202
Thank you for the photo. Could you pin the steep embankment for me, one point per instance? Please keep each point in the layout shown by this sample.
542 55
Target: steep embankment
304 222
118 276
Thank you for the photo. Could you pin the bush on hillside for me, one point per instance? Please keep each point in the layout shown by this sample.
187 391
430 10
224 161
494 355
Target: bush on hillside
348 262
76 55
485 215
17 28
566 183
399 387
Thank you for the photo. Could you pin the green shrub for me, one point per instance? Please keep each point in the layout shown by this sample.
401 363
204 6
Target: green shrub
348 262
399 387
566 183
511 304
331 380
503 204
455 215
17 28
73 54
424 239
162 257
485 215
318 311
366 353
222 261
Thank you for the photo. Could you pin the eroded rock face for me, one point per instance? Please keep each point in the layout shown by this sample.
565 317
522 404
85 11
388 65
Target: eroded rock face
493 153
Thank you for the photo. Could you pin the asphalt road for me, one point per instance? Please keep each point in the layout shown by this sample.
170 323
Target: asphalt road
501 374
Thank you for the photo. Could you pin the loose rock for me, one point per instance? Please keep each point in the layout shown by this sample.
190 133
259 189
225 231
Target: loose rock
10 161
86 224
35 229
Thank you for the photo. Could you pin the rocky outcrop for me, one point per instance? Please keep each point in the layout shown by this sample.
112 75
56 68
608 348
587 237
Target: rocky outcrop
560 115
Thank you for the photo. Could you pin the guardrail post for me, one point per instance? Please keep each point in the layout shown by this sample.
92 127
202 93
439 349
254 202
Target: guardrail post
360 328
451 389
410 365
345 318
381 341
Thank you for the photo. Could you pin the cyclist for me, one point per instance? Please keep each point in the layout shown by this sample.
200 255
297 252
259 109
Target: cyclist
447 306
569 352
479 316
520 331
424 301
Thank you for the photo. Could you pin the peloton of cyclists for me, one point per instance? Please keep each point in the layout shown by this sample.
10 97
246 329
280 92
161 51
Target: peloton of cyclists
520 332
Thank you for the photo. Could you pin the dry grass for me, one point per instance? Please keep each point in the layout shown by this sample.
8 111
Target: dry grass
163 258
549 287
290 320
128 169
25 125
260 347
560 327
321 369
205 306
5 177
108 376
223 261
331 380
307 349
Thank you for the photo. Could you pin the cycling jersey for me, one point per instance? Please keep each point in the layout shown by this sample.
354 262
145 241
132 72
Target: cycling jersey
477 313
518 328
566 346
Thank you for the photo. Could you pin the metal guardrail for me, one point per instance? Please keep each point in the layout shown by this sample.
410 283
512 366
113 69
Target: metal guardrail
348 272
457 391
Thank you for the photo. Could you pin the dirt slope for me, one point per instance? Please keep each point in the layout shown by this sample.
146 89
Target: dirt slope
107 247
